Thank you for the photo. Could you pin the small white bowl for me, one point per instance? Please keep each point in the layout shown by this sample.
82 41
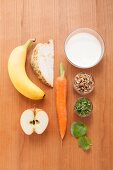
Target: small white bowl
97 38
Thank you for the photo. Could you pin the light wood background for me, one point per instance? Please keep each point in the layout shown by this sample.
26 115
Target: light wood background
45 19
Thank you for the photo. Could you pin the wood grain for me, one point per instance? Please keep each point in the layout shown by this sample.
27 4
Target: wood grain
24 19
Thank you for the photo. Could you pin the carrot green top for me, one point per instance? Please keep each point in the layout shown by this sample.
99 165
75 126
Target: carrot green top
62 70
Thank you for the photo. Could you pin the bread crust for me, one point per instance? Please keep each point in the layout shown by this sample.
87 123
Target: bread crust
34 62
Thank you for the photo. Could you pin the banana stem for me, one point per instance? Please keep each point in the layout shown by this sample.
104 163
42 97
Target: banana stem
29 42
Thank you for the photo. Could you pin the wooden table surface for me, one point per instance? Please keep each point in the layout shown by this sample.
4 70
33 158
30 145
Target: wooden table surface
45 19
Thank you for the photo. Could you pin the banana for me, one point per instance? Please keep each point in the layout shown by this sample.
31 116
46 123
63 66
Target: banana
17 73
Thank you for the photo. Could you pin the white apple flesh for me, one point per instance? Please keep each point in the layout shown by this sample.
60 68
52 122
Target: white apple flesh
34 120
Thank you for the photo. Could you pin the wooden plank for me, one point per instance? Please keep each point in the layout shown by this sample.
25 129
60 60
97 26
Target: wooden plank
21 20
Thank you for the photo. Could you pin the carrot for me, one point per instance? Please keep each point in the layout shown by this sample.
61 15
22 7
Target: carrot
61 94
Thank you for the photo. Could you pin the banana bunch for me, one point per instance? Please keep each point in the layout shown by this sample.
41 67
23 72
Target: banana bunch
17 73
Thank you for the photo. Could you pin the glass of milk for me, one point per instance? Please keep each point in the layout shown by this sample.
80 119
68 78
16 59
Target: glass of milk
84 48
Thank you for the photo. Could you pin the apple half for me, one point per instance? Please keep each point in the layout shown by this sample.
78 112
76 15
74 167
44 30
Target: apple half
34 120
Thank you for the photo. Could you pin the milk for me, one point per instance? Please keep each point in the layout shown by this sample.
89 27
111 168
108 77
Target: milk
83 50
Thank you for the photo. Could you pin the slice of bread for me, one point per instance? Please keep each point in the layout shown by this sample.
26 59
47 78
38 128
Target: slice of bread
42 62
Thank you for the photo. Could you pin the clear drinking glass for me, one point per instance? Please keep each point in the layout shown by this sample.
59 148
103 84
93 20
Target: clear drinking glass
92 32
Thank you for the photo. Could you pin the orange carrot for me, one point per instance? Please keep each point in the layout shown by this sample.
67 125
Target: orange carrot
61 94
